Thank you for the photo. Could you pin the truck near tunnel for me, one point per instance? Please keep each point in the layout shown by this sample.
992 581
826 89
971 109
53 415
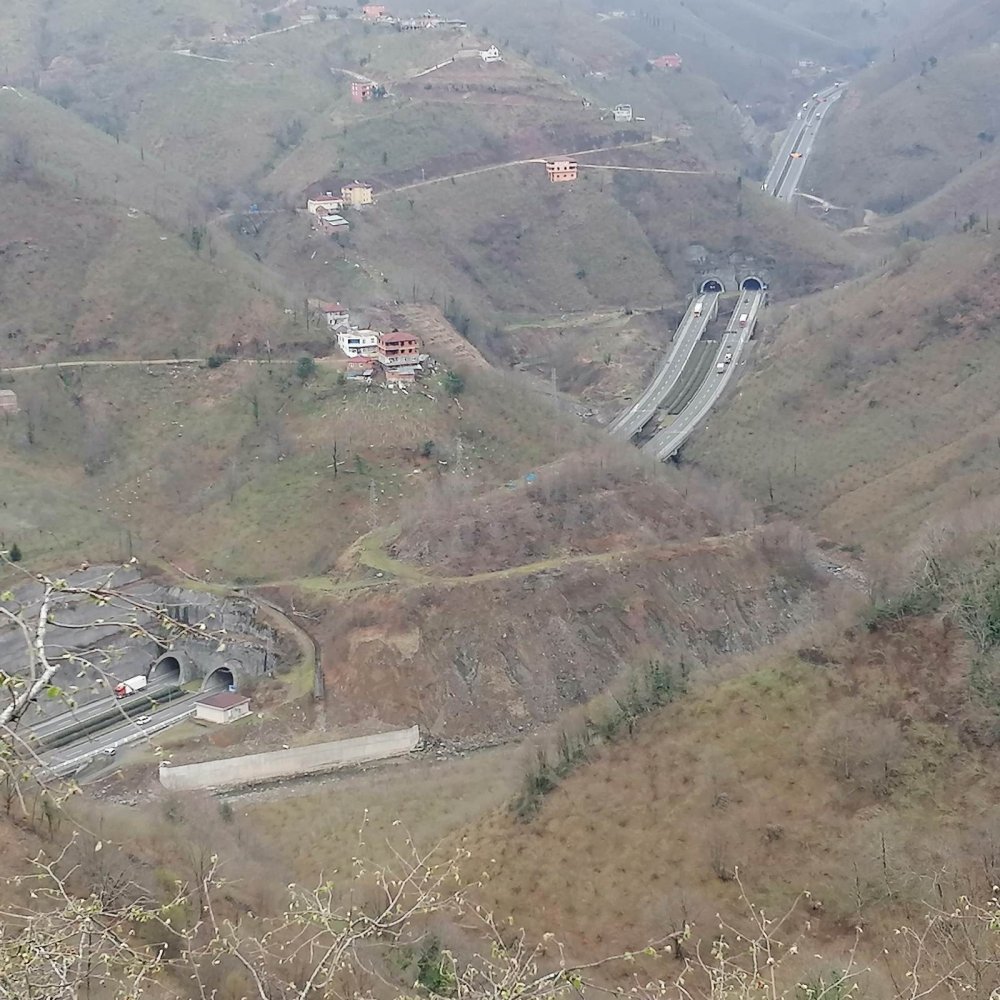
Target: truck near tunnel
131 686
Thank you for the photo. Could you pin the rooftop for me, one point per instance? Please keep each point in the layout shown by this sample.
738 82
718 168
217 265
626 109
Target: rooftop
224 699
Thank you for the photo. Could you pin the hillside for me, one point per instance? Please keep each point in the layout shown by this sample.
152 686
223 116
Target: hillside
572 579
870 410
746 47
648 831
90 222
919 118
230 471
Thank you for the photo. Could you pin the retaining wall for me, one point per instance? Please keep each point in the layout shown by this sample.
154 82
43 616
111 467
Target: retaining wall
288 763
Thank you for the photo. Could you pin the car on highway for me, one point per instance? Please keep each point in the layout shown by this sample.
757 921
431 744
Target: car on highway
720 368
109 751
142 720
796 155
728 358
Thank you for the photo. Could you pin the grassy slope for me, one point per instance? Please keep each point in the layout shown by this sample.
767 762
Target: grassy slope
871 409
802 778
94 263
178 458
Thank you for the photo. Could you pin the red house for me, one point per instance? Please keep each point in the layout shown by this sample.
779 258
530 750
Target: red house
668 62
398 349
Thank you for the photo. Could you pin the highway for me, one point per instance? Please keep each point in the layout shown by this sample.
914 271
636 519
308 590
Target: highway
783 179
782 183
628 423
669 440
54 726
67 759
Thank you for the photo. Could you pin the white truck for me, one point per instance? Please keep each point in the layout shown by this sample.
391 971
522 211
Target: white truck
699 307
743 319
131 686
720 368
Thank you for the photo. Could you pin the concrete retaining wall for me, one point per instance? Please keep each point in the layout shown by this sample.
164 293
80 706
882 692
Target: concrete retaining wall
288 763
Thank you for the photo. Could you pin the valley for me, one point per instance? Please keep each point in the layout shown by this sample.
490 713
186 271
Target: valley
539 449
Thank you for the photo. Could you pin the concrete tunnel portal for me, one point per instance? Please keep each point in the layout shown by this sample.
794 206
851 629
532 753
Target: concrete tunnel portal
712 285
166 669
220 679
752 284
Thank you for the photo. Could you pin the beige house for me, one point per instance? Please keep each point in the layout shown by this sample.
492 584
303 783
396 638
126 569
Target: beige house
224 707
325 204
357 194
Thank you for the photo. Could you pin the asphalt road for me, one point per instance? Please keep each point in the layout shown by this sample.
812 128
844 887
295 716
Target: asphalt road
56 725
783 179
667 441
67 758
631 421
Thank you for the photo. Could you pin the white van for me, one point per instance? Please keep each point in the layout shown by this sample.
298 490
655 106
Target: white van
744 318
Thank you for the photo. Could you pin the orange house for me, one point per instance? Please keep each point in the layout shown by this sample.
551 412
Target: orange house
561 170
373 11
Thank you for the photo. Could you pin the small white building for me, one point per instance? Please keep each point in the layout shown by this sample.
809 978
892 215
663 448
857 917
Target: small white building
8 401
325 205
222 708
491 55
358 343
623 112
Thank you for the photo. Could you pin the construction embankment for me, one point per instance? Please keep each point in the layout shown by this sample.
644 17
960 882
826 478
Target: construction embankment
260 767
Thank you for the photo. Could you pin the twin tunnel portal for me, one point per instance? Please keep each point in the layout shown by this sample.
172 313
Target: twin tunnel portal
173 670
751 284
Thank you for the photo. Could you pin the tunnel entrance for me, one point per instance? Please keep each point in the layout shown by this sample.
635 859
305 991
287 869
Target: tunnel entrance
712 285
166 670
220 679
752 285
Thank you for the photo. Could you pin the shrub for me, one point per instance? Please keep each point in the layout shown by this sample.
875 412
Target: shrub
15 553
454 384
434 970
216 360
305 367
921 600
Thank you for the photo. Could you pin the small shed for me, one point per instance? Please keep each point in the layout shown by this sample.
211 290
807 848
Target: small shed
8 401
224 707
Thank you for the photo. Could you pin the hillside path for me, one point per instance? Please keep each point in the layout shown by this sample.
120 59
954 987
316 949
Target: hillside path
537 159
133 363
